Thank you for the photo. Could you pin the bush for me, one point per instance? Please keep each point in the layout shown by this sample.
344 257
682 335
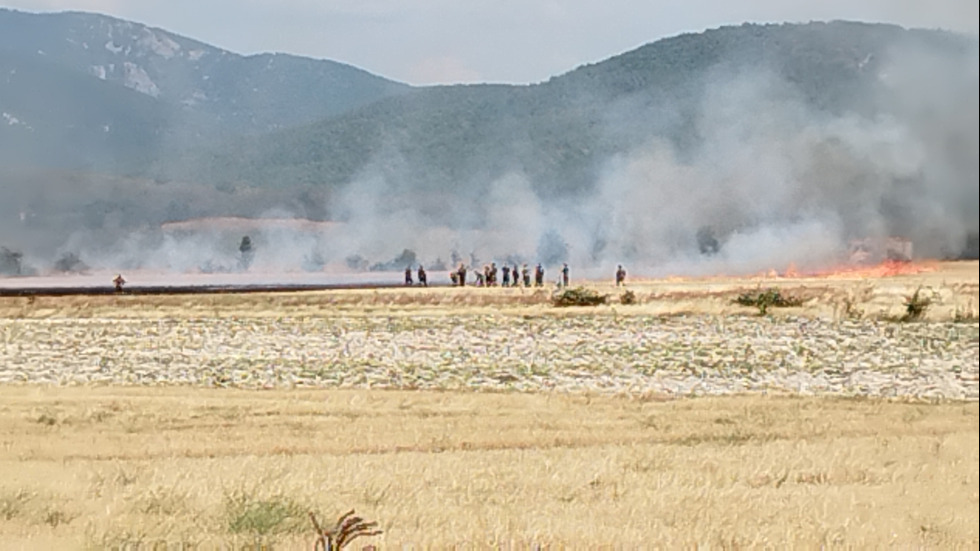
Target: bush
916 306
628 297
579 297
769 298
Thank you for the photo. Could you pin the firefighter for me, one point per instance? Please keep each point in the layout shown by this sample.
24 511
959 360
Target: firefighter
505 276
119 281
423 279
538 275
620 276
461 273
408 275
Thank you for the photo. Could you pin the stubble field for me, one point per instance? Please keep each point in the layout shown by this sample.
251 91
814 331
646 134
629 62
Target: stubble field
487 417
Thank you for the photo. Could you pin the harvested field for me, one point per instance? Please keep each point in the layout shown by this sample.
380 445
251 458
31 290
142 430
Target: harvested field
487 417
678 355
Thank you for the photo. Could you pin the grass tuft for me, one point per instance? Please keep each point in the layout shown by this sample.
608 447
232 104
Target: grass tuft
248 514
13 504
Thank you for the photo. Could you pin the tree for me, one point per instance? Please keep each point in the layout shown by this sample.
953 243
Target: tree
10 262
247 252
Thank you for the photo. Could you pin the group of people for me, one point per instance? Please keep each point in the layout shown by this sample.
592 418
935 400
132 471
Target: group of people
423 278
508 276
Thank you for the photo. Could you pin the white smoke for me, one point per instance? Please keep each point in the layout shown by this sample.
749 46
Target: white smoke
775 181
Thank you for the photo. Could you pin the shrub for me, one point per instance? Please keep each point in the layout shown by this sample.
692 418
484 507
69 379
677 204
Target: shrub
766 299
628 297
579 297
916 306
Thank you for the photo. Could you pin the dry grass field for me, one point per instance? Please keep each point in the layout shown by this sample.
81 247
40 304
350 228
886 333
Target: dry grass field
487 418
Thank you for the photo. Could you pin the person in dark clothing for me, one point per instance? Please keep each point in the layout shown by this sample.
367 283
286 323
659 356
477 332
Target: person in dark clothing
505 276
564 275
423 279
538 276
526 275
620 276
492 279
119 281
408 275
462 274
454 277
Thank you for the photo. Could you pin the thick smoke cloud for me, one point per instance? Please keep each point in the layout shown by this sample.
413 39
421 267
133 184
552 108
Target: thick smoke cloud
773 180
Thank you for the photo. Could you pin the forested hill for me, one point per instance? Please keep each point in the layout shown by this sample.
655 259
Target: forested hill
837 130
561 133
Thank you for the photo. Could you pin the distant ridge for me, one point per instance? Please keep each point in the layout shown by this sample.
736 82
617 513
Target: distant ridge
110 127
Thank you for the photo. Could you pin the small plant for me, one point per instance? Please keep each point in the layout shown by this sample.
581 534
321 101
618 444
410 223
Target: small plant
916 306
766 299
57 517
347 528
13 504
579 297
967 315
47 419
628 297
261 516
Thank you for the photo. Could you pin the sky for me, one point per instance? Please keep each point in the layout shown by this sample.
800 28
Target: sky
468 41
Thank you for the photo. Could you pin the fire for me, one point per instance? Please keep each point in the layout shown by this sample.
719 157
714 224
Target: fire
888 268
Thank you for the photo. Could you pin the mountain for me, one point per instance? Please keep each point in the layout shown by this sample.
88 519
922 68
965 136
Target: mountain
561 132
129 92
817 133
858 129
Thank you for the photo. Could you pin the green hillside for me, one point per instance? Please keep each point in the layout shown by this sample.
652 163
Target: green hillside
560 133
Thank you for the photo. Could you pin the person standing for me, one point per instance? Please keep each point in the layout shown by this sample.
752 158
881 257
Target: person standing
408 275
620 276
539 275
423 278
564 275
119 281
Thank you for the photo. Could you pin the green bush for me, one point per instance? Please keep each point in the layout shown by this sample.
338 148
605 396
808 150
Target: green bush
766 299
579 297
